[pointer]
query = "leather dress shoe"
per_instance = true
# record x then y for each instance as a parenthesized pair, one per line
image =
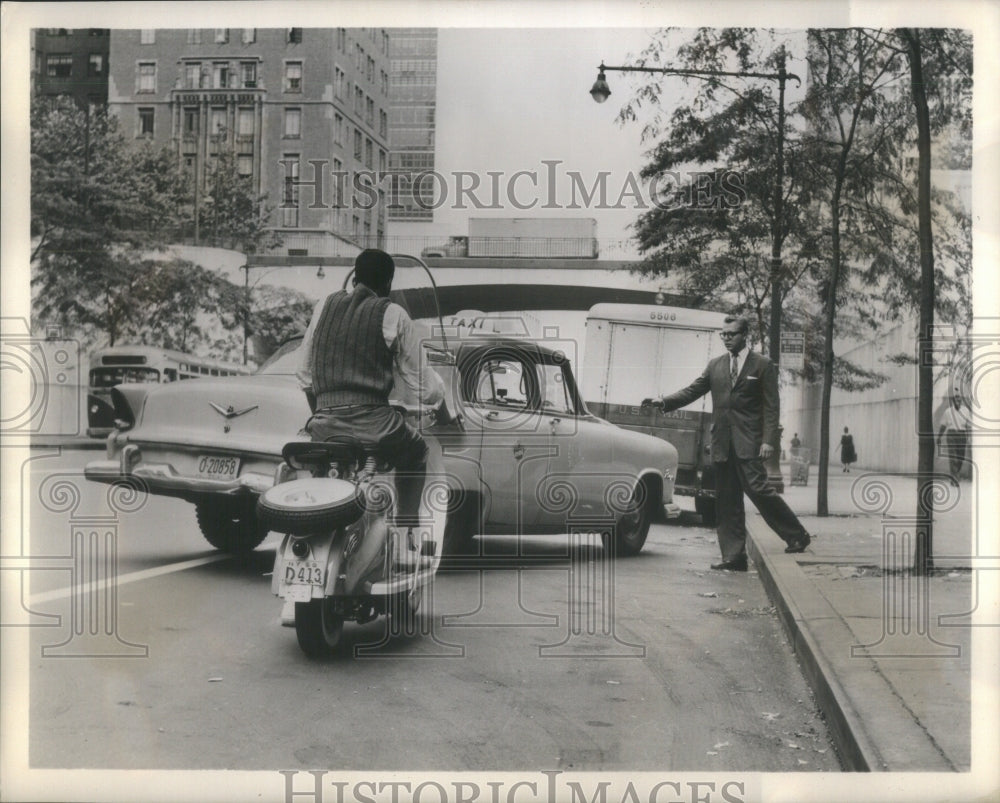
(798, 545)
(737, 565)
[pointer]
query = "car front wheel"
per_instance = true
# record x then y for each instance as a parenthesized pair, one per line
(632, 526)
(230, 526)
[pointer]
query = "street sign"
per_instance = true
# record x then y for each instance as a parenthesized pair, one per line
(793, 350)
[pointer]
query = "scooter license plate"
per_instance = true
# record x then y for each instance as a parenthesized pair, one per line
(304, 573)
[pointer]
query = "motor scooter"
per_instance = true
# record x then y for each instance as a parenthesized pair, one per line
(342, 557)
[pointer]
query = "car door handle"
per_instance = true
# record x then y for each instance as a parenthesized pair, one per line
(492, 415)
(554, 422)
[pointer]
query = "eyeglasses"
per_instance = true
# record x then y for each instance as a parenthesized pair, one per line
(725, 335)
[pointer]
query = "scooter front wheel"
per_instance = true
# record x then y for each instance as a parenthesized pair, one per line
(318, 627)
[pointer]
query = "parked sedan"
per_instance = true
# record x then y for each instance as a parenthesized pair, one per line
(522, 453)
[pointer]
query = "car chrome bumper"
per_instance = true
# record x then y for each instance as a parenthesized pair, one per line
(671, 510)
(162, 478)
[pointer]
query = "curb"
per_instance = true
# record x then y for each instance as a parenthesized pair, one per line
(890, 739)
(853, 746)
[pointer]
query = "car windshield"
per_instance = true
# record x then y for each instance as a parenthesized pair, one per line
(285, 361)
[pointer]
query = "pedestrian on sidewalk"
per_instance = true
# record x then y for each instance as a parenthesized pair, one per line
(744, 387)
(847, 453)
(953, 437)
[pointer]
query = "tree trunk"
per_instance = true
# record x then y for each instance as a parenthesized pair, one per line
(829, 317)
(924, 552)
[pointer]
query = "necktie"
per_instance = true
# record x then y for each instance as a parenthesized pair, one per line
(732, 370)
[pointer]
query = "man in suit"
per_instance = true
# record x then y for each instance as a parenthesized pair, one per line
(744, 387)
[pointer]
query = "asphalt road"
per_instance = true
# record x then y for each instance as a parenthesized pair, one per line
(538, 656)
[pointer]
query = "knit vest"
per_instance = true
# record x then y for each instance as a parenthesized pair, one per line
(351, 362)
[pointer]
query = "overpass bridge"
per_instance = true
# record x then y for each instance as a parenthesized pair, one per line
(489, 284)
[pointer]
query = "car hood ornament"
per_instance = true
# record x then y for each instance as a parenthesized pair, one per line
(230, 411)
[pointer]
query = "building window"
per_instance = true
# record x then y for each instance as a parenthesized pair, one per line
(338, 129)
(338, 169)
(293, 76)
(147, 77)
(341, 39)
(244, 122)
(218, 123)
(59, 65)
(359, 100)
(145, 121)
(369, 111)
(357, 144)
(191, 121)
(290, 198)
(249, 71)
(147, 36)
(249, 36)
(385, 82)
(220, 75)
(295, 35)
(221, 36)
(383, 123)
(371, 69)
(244, 165)
(95, 64)
(192, 75)
(385, 43)
(381, 161)
(293, 123)
(194, 36)
(368, 154)
(339, 80)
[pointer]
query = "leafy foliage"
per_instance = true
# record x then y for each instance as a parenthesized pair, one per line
(231, 214)
(96, 206)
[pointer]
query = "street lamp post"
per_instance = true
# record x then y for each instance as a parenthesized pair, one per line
(600, 92)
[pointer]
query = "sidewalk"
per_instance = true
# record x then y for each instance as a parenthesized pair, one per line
(886, 652)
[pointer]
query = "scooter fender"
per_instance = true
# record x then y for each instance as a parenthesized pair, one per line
(326, 550)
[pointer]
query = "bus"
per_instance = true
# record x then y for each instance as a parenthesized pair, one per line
(637, 351)
(122, 365)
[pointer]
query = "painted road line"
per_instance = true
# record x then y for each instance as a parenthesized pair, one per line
(124, 579)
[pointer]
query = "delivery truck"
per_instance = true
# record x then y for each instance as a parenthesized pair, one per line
(522, 237)
(638, 351)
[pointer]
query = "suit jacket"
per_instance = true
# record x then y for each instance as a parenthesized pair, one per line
(745, 414)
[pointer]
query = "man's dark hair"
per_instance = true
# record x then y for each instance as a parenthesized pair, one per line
(742, 320)
(374, 268)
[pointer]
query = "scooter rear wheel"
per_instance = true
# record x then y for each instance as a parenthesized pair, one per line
(317, 627)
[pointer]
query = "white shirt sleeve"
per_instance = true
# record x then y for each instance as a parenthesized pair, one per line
(397, 329)
(304, 372)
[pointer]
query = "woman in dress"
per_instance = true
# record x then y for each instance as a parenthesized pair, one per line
(847, 453)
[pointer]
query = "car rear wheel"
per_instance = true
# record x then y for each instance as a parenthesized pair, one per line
(632, 527)
(229, 526)
(318, 627)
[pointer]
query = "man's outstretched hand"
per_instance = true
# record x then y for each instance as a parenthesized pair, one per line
(653, 403)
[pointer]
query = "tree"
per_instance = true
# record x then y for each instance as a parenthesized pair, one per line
(861, 122)
(97, 206)
(723, 231)
(231, 214)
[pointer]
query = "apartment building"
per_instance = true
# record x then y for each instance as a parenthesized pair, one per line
(413, 99)
(71, 61)
(296, 106)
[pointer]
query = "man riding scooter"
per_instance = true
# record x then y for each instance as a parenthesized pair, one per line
(357, 342)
